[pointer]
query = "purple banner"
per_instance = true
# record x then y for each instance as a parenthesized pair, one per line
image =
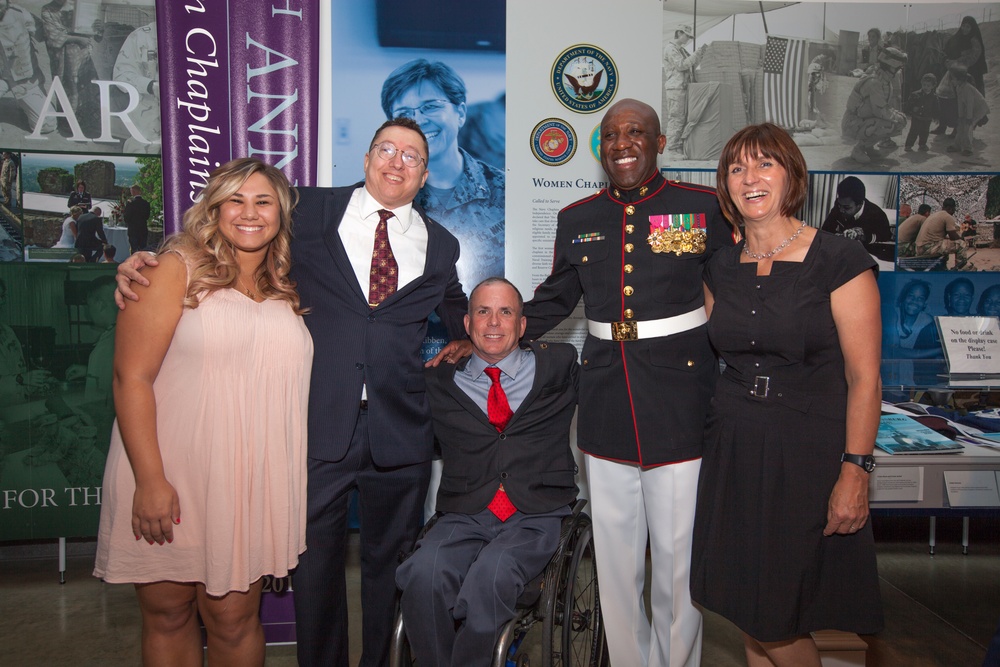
(237, 79)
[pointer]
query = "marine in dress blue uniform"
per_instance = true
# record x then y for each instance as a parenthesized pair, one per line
(635, 253)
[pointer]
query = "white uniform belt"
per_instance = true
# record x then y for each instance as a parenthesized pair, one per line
(631, 330)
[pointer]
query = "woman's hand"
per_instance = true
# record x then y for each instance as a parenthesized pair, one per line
(155, 511)
(847, 512)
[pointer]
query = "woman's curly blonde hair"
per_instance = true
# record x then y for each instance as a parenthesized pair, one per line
(211, 259)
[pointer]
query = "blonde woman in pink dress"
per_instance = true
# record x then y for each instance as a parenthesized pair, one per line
(204, 490)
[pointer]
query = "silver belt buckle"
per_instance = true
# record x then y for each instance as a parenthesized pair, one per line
(761, 385)
(621, 331)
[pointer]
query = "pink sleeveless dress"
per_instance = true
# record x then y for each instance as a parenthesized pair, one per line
(231, 403)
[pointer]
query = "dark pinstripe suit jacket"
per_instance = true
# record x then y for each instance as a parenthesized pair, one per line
(357, 345)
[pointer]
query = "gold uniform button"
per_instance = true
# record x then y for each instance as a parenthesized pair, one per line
(629, 210)
(629, 247)
(584, 259)
(628, 313)
(629, 268)
(690, 363)
(628, 290)
(545, 347)
(629, 229)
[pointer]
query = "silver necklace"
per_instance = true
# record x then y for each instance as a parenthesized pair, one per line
(781, 246)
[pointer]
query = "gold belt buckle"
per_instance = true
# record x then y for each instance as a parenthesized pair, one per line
(624, 331)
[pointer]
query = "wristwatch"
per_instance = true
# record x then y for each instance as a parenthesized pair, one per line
(866, 462)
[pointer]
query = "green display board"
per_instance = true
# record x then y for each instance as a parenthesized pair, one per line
(56, 408)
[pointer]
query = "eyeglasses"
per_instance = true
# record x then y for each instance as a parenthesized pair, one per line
(387, 151)
(428, 108)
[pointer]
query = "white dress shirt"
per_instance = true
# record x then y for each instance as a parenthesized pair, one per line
(407, 237)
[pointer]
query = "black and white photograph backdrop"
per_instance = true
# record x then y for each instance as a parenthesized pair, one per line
(858, 206)
(862, 87)
(79, 75)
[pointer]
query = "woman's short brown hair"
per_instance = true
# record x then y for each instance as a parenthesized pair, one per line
(770, 141)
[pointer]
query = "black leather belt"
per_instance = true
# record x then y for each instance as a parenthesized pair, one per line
(796, 394)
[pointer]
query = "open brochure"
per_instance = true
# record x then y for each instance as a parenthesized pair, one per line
(901, 434)
(966, 434)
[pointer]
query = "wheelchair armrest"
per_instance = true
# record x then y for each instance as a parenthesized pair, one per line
(571, 523)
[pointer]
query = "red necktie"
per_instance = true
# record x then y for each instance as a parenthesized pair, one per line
(497, 408)
(384, 276)
(499, 413)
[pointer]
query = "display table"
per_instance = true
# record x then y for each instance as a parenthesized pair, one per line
(916, 485)
(894, 473)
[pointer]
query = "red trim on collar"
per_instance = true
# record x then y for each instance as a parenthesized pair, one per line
(650, 195)
(583, 201)
(708, 190)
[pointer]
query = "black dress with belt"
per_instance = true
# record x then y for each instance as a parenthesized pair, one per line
(776, 431)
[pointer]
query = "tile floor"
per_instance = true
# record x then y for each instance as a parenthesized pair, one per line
(940, 611)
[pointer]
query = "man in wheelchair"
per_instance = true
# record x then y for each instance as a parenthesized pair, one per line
(502, 417)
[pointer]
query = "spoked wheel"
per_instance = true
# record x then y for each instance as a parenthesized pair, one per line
(583, 627)
(574, 630)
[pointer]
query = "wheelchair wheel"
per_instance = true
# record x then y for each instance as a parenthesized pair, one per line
(399, 650)
(573, 630)
(505, 654)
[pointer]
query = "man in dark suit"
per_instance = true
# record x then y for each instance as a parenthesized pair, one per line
(461, 584)
(855, 217)
(90, 237)
(136, 216)
(369, 415)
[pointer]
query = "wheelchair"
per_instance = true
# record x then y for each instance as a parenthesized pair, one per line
(563, 599)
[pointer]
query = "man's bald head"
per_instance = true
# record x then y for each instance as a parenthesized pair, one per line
(630, 142)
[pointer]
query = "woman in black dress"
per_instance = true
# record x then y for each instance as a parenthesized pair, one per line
(782, 543)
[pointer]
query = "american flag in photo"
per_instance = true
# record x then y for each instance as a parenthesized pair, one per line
(785, 63)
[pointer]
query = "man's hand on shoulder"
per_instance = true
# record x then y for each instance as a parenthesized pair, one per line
(451, 353)
(129, 271)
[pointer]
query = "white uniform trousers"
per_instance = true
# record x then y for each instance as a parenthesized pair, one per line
(630, 504)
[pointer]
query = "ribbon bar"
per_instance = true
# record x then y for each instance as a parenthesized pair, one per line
(679, 221)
